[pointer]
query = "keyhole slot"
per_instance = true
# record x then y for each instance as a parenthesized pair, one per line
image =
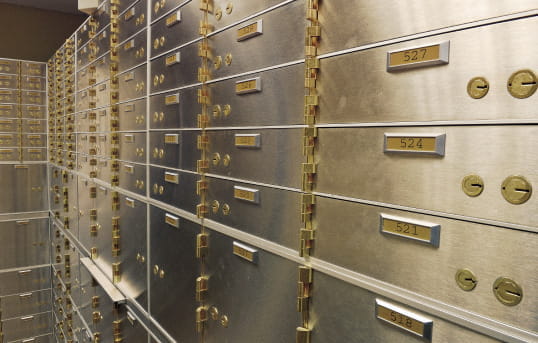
(521, 190)
(530, 83)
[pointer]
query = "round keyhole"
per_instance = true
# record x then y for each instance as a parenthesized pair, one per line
(522, 84)
(516, 189)
(218, 13)
(215, 205)
(507, 291)
(478, 87)
(216, 159)
(466, 279)
(472, 185)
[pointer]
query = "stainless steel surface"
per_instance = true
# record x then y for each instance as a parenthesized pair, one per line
(19, 305)
(259, 51)
(9, 81)
(8, 66)
(133, 177)
(133, 51)
(25, 280)
(9, 125)
(9, 110)
(180, 155)
(102, 238)
(26, 243)
(104, 282)
(38, 339)
(438, 92)
(276, 217)
(240, 290)
(181, 194)
(427, 270)
(346, 25)
(183, 72)
(32, 83)
(176, 28)
(239, 10)
(33, 69)
(346, 313)
(33, 125)
(133, 20)
(134, 256)
(173, 109)
(132, 84)
(172, 296)
(33, 97)
(27, 326)
(32, 112)
(26, 180)
(132, 115)
(8, 96)
(133, 147)
(159, 8)
(34, 154)
(418, 181)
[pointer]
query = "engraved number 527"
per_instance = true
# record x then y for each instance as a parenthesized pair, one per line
(414, 55)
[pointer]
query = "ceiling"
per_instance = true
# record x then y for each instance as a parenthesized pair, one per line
(67, 6)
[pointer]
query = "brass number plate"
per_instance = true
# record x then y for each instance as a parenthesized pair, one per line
(171, 220)
(247, 194)
(248, 140)
(411, 229)
(173, 59)
(422, 56)
(250, 30)
(404, 319)
(248, 86)
(245, 252)
(171, 177)
(171, 139)
(173, 19)
(171, 99)
(419, 143)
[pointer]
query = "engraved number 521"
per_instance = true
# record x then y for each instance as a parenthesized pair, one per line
(414, 55)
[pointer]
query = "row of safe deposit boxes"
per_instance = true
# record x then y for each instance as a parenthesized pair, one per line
(296, 171)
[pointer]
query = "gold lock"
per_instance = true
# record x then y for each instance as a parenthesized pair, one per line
(224, 321)
(218, 13)
(226, 209)
(522, 84)
(217, 63)
(226, 160)
(140, 258)
(466, 279)
(227, 110)
(215, 205)
(228, 59)
(216, 159)
(472, 185)
(214, 313)
(507, 291)
(516, 189)
(477, 87)
(229, 8)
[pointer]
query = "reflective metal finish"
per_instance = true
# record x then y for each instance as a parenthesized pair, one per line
(132, 51)
(33, 97)
(24, 280)
(174, 109)
(33, 69)
(9, 81)
(23, 304)
(133, 177)
(28, 326)
(133, 147)
(438, 92)
(352, 163)
(239, 10)
(8, 66)
(27, 182)
(132, 20)
(132, 84)
(132, 115)
(239, 290)
(182, 72)
(181, 194)
(31, 238)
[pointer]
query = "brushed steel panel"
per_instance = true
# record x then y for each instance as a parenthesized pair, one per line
(259, 51)
(182, 73)
(438, 92)
(28, 243)
(38, 339)
(9, 140)
(133, 177)
(181, 195)
(132, 51)
(33, 69)
(23, 281)
(345, 313)
(32, 112)
(32, 83)
(83, 56)
(176, 28)
(131, 329)
(124, 4)
(132, 84)
(34, 154)
(83, 34)
(34, 125)
(276, 160)
(174, 114)
(9, 110)
(158, 7)
(341, 31)
(429, 182)
(9, 81)
(8, 66)
(181, 156)
(9, 96)
(102, 95)
(33, 97)
(259, 219)
(102, 16)
(9, 154)
(132, 115)
(428, 270)
(132, 21)
(240, 10)
(104, 169)
(103, 239)
(278, 103)
(133, 256)
(28, 326)
(9, 125)
(24, 304)
(29, 184)
(133, 146)
(239, 289)
(85, 204)
(173, 251)
(83, 77)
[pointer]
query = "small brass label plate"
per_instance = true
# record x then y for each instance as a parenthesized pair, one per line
(404, 319)
(129, 76)
(129, 108)
(171, 99)
(411, 229)
(173, 19)
(129, 138)
(171, 138)
(421, 56)
(128, 168)
(248, 86)
(250, 30)
(129, 14)
(245, 252)
(171, 177)
(130, 202)
(129, 45)
(6, 107)
(247, 194)
(173, 59)
(171, 220)
(247, 140)
(432, 144)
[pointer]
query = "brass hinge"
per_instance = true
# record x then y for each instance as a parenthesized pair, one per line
(204, 74)
(201, 318)
(307, 204)
(302, 335)
(307, 237)
(202, 141)
(201, 288)
(201, 210)
(203, 121)
(116, 272)
(204, 97)
(201, 185)
(202, 244)
(202, 166)
(206, 5)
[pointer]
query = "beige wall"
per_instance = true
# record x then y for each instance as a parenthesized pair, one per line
(34, 34)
